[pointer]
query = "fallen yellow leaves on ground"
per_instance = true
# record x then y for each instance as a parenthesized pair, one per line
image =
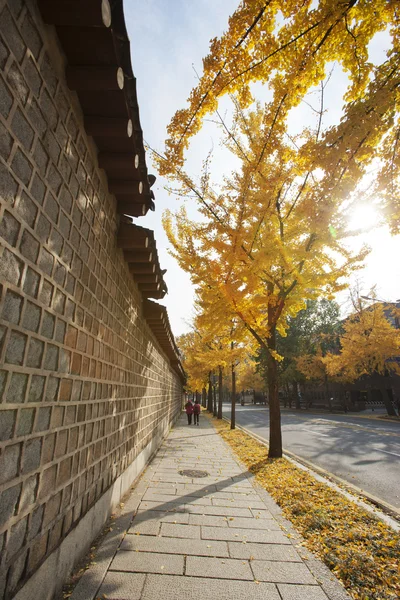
(363, 552)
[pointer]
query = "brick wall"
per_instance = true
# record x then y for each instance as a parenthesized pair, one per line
(84, 387)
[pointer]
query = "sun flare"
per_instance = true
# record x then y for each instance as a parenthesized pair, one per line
(364, 216)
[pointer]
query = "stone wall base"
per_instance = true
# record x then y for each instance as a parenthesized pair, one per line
(52, 574)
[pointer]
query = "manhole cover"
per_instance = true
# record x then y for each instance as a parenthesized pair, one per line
(193, 473)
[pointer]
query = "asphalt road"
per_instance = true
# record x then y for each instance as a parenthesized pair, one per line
(364, 452)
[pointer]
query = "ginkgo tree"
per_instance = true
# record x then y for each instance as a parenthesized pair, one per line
(290, 45)
(273, 233)
(370, 344)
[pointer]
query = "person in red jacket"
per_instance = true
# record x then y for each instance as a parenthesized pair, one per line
(196, 411)
(189, 411)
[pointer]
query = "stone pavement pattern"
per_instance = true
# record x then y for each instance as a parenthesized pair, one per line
(215, 537)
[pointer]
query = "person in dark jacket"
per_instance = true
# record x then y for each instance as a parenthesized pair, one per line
(196, 411)
(189, 411)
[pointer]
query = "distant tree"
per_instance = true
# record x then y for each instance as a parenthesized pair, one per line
(369, 344)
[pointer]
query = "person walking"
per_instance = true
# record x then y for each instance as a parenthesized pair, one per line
(196, 411)
(189, 411)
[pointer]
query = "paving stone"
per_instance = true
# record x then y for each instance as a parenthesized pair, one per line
(173, 506)
(145, 527)
(180, 531)
(175, 546)
(281, 572)
(163, 516)
(250, 503)
(209, 520)
(253, 523)
(122, 585)
(219, 511)
(256, 551)
(247, 535)
(218, 568)
(148, 562)
(301, 592)
(172, 587)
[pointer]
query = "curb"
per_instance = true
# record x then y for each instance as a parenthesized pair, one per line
(390, 512)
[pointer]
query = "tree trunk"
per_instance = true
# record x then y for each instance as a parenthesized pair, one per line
(296, 395)
(233, 398)
(220, 393)
(204, 397)
(275, 434)
(214, 400)
(327, 394)
(210, 395)
(387, 401)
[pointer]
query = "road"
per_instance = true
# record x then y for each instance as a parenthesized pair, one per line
(364, 452)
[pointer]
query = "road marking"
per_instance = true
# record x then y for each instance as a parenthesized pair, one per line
(387, 452)
(315, 432)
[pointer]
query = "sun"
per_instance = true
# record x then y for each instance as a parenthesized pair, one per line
(364, 216)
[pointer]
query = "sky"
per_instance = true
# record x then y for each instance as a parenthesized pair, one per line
(168, 39)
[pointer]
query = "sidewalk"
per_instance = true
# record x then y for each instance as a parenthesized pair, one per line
(217, 537)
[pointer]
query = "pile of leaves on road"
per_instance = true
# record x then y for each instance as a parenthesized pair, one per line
(363, 552)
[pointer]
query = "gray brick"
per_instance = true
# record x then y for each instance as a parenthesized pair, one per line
(31, 36)
(27, 209)
(6, 142)
(34, 80)
(248, 535)
(51, 208)
(17, 537)
(51, 359)
(22, 130)
(301, 592)
(147, 562)
(35, 353)
(171, 587)
(6, 100)
(46, 261)
(43, 229)
(32, 316)
(25, 421)
(22, 167)
(43, 419)
(269, 524)
(17, 388)
(48, 325)
(9, 228)
(60, 331)
(28, 492)
(175, 546)
(48, 109)
(8, 502)
(17, 83)
(3, 380)
(4, 54)
(53, 385)
(60, 274)
(29, 246)
(16, 7)
(55, 180)
(145, 527)
(11, 267)
(31, 456)
(38, 189)
(40, 157)
(16, 348)
(47, 482)
(12, 35)
(56, 242)
(9, 462)
(36, 388)
(46, 293)
(35, 524)
(281, 572)
(31, 283)
(47, 71)
(52, 509)
(12, 307)
(16, 571)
